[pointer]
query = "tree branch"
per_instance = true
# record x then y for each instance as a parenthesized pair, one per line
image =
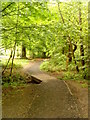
(60, 12)
(12, 11)
(6, 7)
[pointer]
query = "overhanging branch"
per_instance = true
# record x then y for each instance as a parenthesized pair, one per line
(6, 7)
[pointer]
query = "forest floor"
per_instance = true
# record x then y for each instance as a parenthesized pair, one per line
(52, 98)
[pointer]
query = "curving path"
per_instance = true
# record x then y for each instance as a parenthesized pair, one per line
(50, 99)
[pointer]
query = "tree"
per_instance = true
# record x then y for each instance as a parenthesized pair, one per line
(21, 15)
(46, 30)
(81, 39)
(23, 50)
(70, 45)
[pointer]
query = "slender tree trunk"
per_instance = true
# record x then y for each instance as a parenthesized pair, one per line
(70, 50)
(81, 46)
(63, 50)
(7, 62)
(17, 51)
(15, 42)
(60, 13)
(13, 58)
(23, 51)
(44, 54)
(69, 57)
(70, 54)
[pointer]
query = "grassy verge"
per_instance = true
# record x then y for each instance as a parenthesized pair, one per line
(18, 78)
(18, 63)
(58, 69)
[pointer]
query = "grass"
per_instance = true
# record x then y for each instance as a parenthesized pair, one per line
(18, 78)
(18, 63)
(74, 76)
(70, 74)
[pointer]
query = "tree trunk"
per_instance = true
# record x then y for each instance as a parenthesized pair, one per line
(69, 56)
(13, 58)
(44, 54)
(63, 50)
(23, 51)
(82, 54)
(81, 46)
(72, 52)
(14, 44)
(7, 62)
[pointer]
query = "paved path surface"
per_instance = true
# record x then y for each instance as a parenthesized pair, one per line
(50, 99)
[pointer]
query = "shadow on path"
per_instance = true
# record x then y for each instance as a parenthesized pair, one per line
(50, 99)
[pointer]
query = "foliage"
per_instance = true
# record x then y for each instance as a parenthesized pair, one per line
(18, 78)
(57, 63)
(70, 27)
(19, 63)
(40, 27)
(15, 81)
